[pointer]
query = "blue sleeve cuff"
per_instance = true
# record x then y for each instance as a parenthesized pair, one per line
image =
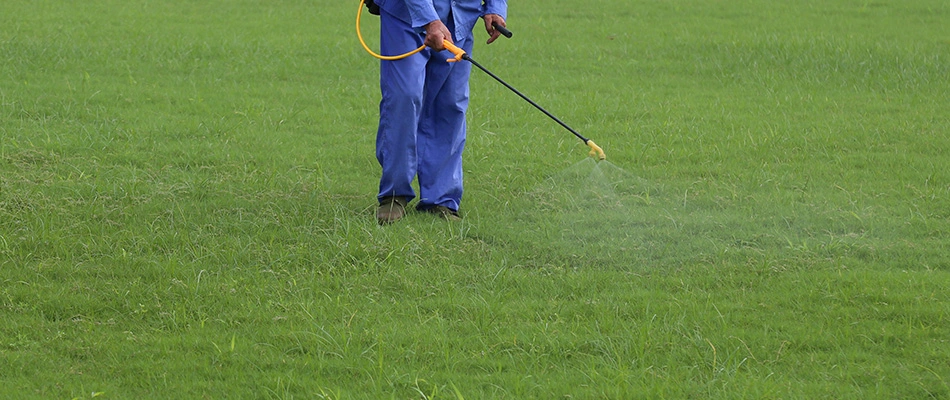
(499, 7)
(421, 12)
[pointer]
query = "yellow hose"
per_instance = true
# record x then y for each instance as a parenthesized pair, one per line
(359, 34)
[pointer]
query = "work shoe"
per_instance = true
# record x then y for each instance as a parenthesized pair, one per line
(445, 213)
(391, 209)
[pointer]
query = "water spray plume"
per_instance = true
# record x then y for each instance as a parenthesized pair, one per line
(459, 55)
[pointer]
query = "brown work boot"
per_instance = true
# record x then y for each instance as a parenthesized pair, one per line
(445, 213)
(391, 209)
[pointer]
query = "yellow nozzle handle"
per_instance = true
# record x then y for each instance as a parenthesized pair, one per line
(459, 53)
(596, 151)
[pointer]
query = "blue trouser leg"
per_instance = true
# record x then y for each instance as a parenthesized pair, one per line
(442, 130)
(401, 84)
(422, 118)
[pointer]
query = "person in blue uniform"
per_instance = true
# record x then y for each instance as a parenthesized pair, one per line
(424, 99)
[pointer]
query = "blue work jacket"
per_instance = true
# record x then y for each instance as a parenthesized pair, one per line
(464, 12)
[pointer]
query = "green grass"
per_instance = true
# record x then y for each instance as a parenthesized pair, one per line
(187, 193)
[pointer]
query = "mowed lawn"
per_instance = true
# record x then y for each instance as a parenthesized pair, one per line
(187, 192)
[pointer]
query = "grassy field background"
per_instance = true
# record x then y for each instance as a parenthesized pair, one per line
(187, 193)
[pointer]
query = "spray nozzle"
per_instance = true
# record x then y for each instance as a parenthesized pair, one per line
(596, 151)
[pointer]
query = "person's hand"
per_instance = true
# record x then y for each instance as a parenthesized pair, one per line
(436, 32)
(489, 20)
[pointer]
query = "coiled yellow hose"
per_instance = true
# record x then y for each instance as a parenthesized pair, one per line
(359, 13)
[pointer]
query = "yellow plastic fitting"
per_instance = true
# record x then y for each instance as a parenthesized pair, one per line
(451, 47)
(596, 151)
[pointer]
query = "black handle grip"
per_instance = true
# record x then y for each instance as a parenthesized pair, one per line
(502, 30)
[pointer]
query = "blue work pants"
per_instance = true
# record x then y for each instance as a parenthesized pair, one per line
(421, 117)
